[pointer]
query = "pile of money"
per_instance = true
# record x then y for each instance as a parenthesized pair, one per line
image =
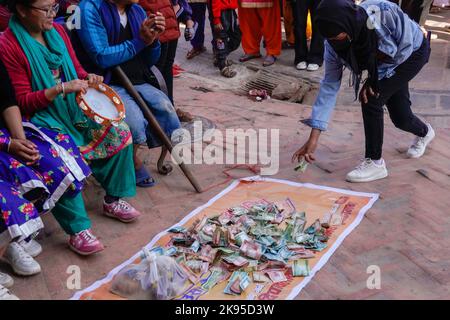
(257, 241)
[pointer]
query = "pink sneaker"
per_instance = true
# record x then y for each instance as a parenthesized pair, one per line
(85, 243)
(120, 210)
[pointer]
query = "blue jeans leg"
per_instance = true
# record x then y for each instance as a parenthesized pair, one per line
(134, 116)
(162, 109)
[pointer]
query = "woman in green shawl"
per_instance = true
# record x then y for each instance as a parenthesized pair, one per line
(46, 76)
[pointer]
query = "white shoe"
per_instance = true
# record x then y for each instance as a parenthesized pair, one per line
(419, 145)
(368, 171)
(21, 262)
(302, 65)
(32, 247)
(6, 280)
(312, 67)
(6, 295)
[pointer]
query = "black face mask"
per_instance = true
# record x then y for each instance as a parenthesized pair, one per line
(340, 45)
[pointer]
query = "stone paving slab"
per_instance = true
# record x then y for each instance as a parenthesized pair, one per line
(405, 233)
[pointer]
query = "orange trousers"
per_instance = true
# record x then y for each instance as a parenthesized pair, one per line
(257, 23)
(288, 22)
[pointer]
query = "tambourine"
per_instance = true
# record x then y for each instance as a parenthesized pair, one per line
(102, 104)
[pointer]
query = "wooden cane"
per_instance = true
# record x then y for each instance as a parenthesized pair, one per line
(154, 123)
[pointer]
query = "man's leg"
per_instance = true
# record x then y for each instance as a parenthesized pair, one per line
(271, 28)
(413, 8)
(300, 12)
(251, 27)
(162, 109)
(221, 43)
(234, 32)
(168, 74)
(426, 6)
(317, 42)
(289, 22)
(198, 15)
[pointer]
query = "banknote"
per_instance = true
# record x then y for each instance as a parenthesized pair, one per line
(212, 280)
(236, 260)
(233, 286)
(208, 254)
(300, 268)
(276, 275)
(177, 229)
(251, 249)
(171, 251)
(259, 277)
(245, 281)
(301, 166)
(325, 221)
(195, 246)
(241, 237)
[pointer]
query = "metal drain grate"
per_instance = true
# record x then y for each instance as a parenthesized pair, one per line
(269, 80)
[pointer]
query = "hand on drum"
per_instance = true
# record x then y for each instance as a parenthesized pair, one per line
(94, 79)
(76, 86)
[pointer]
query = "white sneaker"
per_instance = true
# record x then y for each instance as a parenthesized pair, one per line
(21, 262)
(302, 65)
(419, 145)
(368, 171)
(312, 67)
(32, 247)
(6, 280)
(6, 295)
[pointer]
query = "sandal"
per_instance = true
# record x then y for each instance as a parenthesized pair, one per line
(227, 72)
(143, 178)
(184, 116)
(269, 60)
(227, 63)
(247, 57)
(195, 52)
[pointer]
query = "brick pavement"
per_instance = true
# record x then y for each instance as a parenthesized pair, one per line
(405, 233)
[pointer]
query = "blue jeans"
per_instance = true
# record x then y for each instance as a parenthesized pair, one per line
(160, 106)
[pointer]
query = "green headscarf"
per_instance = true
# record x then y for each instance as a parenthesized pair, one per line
(63, 115)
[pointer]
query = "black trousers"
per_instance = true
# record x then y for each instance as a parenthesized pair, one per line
(413, 8)
(228, 39)
(165, 64)
(394, 93)
(315, 53)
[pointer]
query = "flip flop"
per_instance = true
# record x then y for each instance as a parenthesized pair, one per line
(195, 52)
(143, 178)
(247, 57)
(184, 116)
(269, 60)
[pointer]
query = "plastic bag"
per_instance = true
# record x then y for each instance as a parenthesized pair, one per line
(156, 277)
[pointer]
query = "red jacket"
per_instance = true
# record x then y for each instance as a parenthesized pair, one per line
(219, 5)
(19, 71)
(172, 31)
